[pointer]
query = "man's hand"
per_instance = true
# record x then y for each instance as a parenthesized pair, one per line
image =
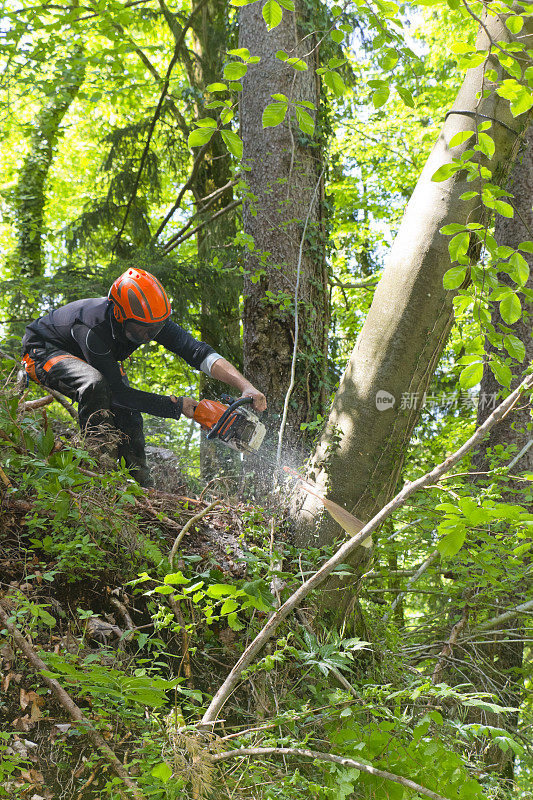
(222, 370)
(189, 405)
(259, 398)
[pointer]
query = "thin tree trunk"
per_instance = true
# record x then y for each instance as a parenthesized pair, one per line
(284, 173)
(360, 455)
(30, 197)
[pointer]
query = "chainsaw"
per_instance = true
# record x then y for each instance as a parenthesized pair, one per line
(231, 422)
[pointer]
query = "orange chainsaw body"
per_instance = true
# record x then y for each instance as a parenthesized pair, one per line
(208, 412)
(239, 428)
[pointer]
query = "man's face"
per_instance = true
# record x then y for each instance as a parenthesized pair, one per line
(141, 332)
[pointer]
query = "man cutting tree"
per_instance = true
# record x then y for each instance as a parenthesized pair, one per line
(78, 350)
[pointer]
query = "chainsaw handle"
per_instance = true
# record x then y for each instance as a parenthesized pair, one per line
(234, 405)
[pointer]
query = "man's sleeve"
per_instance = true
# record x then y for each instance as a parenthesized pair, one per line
(198, 355)
(98, 355)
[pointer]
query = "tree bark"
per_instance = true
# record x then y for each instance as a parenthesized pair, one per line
(284, 173)
(503, 659)
(360, 455)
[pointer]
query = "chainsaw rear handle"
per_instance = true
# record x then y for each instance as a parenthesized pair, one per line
(234, 405)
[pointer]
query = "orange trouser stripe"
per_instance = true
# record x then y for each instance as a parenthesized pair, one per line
(47, 366)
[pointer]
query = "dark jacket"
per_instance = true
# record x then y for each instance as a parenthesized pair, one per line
(87, 329)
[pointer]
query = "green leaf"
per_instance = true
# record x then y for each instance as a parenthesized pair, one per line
(288, 4)
(235, 70)
(460, 138)
(515, 347)
(334, 81)
(162, 771)
(452, 542)
(486, 144)
(523, 102)
(200, 136)
(240, 52)
(519, 269)
(515, 24)
(454, 277)
(218, 590)
(229, 606)
(406, 96)
(453, 227)
(469, 195)
(510, 308)
(234, 623)
(297, 63)
(206, 122)
(380, 97)
(274, 113)
(471, 375)
(272, 14)
(460, 48)
(503, 208)
(233, 142)
(458, 246)
(445, 172)
(526, 247)
(501, 372)
(305, 121)
(217, 87)
(175, 578)
(47, 618)
(337, 36)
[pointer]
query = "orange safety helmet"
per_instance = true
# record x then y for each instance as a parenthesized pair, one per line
(137, 295)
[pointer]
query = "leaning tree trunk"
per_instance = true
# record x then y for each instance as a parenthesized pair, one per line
(502, 655)
(360, 455)
(30, 198)
(285, 178)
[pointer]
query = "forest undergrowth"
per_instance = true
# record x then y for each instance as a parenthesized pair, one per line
(140, 602)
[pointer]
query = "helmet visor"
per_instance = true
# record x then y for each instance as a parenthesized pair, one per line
(141, 332)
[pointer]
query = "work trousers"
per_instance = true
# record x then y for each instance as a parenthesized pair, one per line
(87, 386)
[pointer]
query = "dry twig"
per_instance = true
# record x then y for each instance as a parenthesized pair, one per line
(188, 525)
(345, 762)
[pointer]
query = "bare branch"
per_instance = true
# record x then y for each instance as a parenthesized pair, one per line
(208, 201)
(495, 622)
(332, 759)
(188, 525)
(186, 186)
(172, 244)
(348, 547)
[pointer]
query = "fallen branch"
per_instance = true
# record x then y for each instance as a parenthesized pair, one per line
(30, 405)
(495, 622)
(69, 705)
(188, 525)
(344, 762)
(342, 554)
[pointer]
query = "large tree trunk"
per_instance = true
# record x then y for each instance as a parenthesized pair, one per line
(285, 177)
(503, 656)
(30, 198)
(360, 455)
